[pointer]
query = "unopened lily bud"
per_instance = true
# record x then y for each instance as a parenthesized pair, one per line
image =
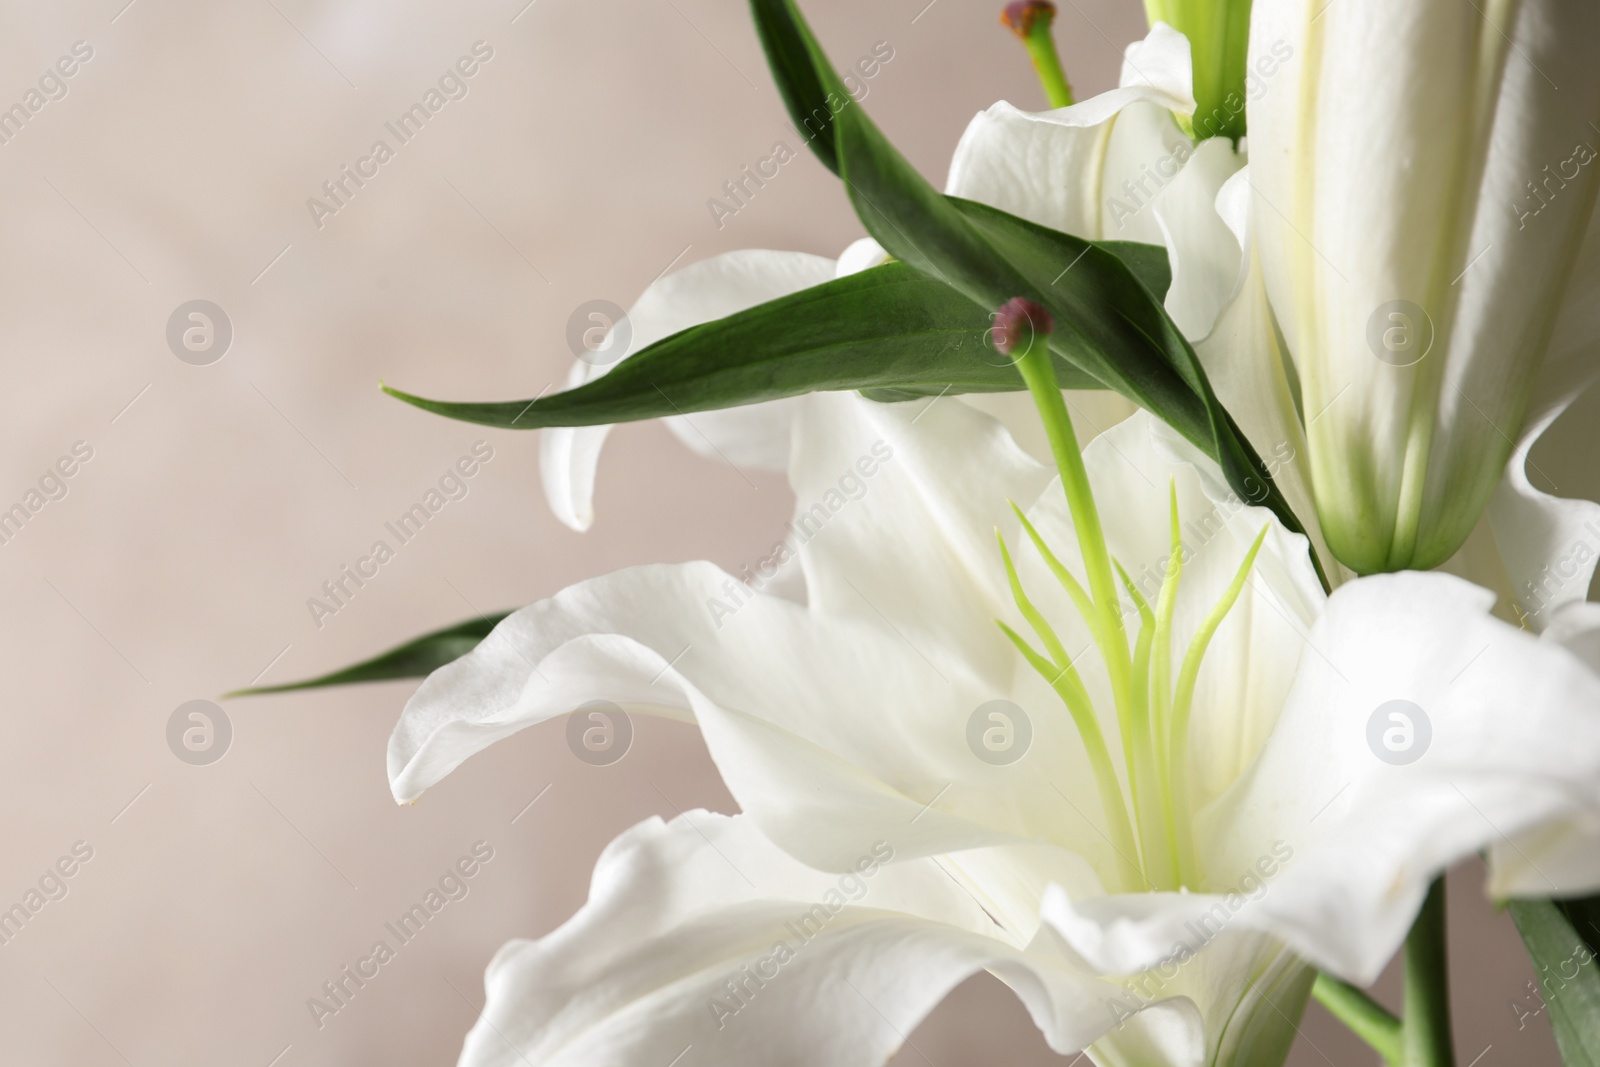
(1017, 324)
(1421, 192)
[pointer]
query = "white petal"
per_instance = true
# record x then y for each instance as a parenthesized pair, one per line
(1246, 367)
(860, 255)
(1515, 745)
(1245, 986)
(1045, 171)
(751, 436)
(895, 511)
(679, 911)
(1566, 851)
(1204, 252)
(755, 436)
(1549, 544)
(1093, 412)
(568, 459)
(1144, 154)
(1162, 62)
(1047, 167)
(811, 722)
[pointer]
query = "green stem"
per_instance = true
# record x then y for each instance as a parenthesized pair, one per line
(1425, 1031)
(1042, 50)
(1366, 1018)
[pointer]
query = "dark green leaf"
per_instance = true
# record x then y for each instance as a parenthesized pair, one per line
(1584, 914)
(888, 328)
(1569, 976)
(1149, 263)
(414, 659)
(797, 79)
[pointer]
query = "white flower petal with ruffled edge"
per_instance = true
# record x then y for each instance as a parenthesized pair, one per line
(1204, 251)
(792, 711)
(1515, 744)
(755, 436)
(701, 942)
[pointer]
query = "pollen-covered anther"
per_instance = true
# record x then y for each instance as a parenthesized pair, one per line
(1017, 323)
(1023, 16)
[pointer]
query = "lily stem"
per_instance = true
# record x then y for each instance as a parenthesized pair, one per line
(1425, 1030)
(1366, 1018)
(1031, 21)
(1042, 50)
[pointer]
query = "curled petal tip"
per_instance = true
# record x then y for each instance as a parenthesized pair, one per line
(1022, 16)
(1017, 322)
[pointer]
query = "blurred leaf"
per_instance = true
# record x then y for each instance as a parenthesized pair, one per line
(414, 659)
(1568, 974)
(885, 329)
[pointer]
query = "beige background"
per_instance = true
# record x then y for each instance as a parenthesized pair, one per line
(219, 498)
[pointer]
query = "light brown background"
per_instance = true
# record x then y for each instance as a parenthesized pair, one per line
(179, 565)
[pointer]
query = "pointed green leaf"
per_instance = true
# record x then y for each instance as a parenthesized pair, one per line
(1569, 975)
(886, 329)
(414, 659)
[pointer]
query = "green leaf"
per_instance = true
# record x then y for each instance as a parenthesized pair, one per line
(1568, 973)
(414, 659)
(1108, 322)
(890, 331)
(803, 94)
(1584, 914)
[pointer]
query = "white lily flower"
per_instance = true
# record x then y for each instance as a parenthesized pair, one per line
(1423, 181)
(1171, 922)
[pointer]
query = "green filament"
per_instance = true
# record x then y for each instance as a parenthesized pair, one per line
(1182, 701)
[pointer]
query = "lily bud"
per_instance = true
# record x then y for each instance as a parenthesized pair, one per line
(1017, 324)
(1421, 189)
